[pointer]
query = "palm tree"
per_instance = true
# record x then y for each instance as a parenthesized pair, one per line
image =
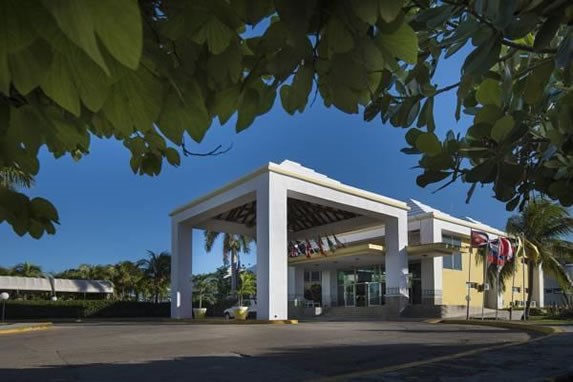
(26, 269)
(540, 228)
(204, 289)
(12, 177)
(157, 268)
(233, 244)
(247, 287)
(126, 278)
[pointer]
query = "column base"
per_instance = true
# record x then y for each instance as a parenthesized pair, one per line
(396, 304)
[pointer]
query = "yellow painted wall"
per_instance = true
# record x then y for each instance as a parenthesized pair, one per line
(454, 289)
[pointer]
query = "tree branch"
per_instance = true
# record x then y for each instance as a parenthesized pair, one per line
(505, 42)
(215, 152)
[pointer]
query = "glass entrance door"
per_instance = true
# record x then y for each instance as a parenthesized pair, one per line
(374, 294)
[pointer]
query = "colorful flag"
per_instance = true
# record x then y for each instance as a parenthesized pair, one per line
(339, 244)
(478, 239)
(501, 251)
(320, 247)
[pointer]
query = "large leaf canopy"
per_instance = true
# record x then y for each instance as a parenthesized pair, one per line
(155, 73)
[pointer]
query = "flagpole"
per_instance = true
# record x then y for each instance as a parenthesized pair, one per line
(512, 287)
(468, 297)
(484, 279)
(497, 293)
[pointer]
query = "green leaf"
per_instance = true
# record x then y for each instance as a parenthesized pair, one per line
(366, 10)
(429, 177)
(402, 43)
(135, 101)
(216, 34)
(412, 135)
(29, 66)
(118, 25)
(44, 209)
(536, 82)
(483, 172)
(189, 115)
(225, 103)
(488, 114)
(489, 93)
(340, 39)
(428, 143)
(247, 109)
(502, 128)
(58, 84)
(295, 96)
(389, 9)
(482, 58)
(547, 32)
(75, 19)
(172, 156)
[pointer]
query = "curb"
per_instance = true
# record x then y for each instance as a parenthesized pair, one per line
(28, 328)
(546, 331)
(235, 322)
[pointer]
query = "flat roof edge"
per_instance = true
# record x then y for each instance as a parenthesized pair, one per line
(245, 178)
(272, 167)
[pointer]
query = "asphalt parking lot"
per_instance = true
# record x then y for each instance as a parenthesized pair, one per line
(165, 351)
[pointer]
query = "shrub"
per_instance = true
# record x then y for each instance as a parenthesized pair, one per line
(77, 309)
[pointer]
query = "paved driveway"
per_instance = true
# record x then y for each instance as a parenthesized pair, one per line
(176, 352)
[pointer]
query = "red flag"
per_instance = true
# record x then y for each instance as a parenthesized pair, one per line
(478, 239)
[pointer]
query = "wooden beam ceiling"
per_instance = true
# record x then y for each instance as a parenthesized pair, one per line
(301, 215)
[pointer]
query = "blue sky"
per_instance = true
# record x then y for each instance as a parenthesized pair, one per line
(108, 214)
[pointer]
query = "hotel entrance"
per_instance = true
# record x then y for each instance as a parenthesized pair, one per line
(361, 287)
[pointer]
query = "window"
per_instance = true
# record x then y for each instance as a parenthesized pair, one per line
(453, 261)
(312, 276)
(517, 289)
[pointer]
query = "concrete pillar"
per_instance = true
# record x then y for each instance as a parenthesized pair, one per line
(272, 258)
(539, 287)
(181, 262)
(431, 268)
(396, 262)
(326, 280)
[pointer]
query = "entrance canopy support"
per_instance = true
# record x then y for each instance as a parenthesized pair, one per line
(279, 203)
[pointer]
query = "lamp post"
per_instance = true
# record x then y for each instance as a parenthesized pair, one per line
(4, 296)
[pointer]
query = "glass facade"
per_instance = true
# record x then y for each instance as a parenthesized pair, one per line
(362, 286)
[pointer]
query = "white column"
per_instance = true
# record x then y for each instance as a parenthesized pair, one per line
(539, 287)
(396, 239)
(272, 259)
(326, 287)
(181, 262)
(432, 268)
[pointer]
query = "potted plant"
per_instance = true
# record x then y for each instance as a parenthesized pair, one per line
(204, 290)
(247, 287)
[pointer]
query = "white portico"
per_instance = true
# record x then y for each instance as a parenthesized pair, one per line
(279, 203)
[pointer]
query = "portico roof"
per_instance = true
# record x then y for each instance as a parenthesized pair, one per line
(316, 204)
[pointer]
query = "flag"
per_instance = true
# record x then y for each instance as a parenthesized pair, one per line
(339, 244)
(320, 247)
(501, 251)
(478, 239)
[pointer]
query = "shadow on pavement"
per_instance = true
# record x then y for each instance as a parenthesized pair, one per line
(279, 364)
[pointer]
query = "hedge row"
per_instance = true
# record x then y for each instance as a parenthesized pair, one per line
(78, 309)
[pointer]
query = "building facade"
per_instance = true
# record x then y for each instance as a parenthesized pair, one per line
(324, 244)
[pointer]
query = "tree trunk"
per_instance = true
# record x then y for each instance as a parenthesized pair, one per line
(530, 269)
(233, 273)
